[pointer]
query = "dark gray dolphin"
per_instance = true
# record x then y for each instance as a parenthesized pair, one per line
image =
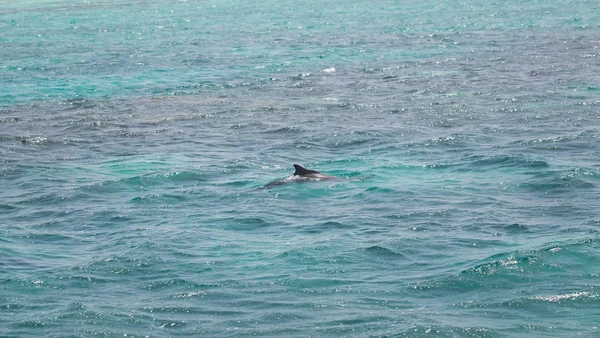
(303, 172)
(303, 175)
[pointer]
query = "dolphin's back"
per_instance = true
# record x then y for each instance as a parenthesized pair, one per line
(300, 170)
(301, 175)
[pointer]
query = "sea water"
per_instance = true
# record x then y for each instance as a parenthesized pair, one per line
(135, 137)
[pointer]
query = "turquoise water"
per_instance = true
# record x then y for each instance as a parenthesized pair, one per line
(135, 135)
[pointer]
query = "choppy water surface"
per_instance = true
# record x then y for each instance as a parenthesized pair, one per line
(134, 138)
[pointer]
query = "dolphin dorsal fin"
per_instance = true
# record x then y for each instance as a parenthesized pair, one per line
(300, 170)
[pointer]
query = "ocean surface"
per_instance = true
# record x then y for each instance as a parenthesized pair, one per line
(137, 137)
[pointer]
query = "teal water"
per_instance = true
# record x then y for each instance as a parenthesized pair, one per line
(135, 135)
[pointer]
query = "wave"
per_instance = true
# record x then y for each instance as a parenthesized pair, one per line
(10, 119)
(561, 180)
(581, 296)
(482, 163)
(517, 228)
(333, 140)
(485, 163)
(447, 331)
(163, 198)
(381, 251)
(7, 207)
(42, 199)
(288, 130)
(507, 161)
(565, 141)
(147, 180)
(542, 301)
(246, 223)
(249, 125)
(177, 118)
(36, 140)
(324, 227)
(454, 141)
(518, 268)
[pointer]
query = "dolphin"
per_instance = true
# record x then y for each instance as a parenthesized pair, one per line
(303, 175)
(303, 172)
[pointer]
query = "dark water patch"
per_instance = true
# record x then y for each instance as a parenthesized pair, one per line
(33, 324)
(7, 120)
(509, 161)
(352, 139)
(335, 225)
(574, 141)
(243, 164)
(142, 134)
(158, 198)
(6, 240)
(579, 230)
(382, 252)
(573, 245)
(167, 283)
(42, 200)
(7, 208)
(485, 163)
(404, 169)
(291, 130)
(390, 78)
(79, 103)
(298, 256)
(317, 283)
(126, 260)
(135, 183)
(120, 219)
(561, 181)
(53, 238)
(516, 270)
(378, 189)
(173, 118)
(11, 261)
(183, 311)
(453, 141)
(83, 281)
(449, 331)
(429, 218)
(38, 140)
(254, 125)
(116, 186)
(325, 227)
(249, 223)
(245, 183)
(516, 228)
